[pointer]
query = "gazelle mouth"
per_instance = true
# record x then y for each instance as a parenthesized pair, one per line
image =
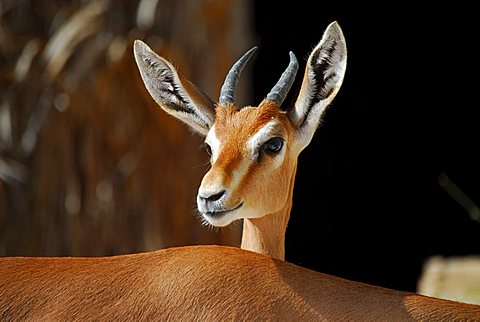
(222, 212)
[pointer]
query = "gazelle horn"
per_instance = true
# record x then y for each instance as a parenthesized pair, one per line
(280, 90)
(229, 87)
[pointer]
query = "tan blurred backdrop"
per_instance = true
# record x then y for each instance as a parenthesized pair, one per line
(89, 165)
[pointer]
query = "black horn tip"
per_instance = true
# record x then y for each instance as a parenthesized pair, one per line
(251, 51)
(293, 58)
(227, 92)
(280, 90)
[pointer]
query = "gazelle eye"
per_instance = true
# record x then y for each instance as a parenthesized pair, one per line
(207, 148)
(273, 146)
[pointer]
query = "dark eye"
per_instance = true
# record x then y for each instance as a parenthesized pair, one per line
(273, 146)
(207, 148)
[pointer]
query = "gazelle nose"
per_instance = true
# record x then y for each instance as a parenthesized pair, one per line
(210, 197)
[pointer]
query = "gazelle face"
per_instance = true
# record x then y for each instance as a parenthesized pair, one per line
(254, 150)
(252, 164)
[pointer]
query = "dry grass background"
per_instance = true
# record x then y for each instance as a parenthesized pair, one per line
(89, 165)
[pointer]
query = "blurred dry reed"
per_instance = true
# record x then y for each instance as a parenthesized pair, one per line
(89, 165)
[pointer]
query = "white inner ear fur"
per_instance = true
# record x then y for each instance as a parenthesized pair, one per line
(163, 83)
(312, 121)
(203, 120)
(330, 57)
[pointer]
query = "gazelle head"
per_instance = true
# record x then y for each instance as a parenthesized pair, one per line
(254, 149)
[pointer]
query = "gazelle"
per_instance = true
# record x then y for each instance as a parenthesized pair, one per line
(254, 150)
(214, 282)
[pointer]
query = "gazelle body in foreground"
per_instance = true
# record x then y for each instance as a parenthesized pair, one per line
(254, 159)
(201, 283)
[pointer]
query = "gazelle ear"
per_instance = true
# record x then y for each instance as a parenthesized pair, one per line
(322, 80)
(172, 91)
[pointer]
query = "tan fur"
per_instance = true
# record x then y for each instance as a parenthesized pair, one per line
(201, 283)
(269, 191)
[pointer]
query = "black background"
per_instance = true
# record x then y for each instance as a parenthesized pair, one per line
(367, 203)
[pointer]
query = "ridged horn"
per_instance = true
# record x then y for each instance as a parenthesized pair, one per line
(280, 90)
(229, 87)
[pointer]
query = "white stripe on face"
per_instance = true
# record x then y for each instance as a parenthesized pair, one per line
(214, 143)
(267, 132)
(260, 137)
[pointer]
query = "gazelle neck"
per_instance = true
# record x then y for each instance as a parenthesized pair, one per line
(266, 235)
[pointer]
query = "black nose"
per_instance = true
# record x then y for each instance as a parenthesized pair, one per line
(213, 197)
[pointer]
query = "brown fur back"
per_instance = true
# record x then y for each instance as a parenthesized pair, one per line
(199, 283)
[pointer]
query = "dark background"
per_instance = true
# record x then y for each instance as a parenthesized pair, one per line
(107, 172)
(367, 202)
